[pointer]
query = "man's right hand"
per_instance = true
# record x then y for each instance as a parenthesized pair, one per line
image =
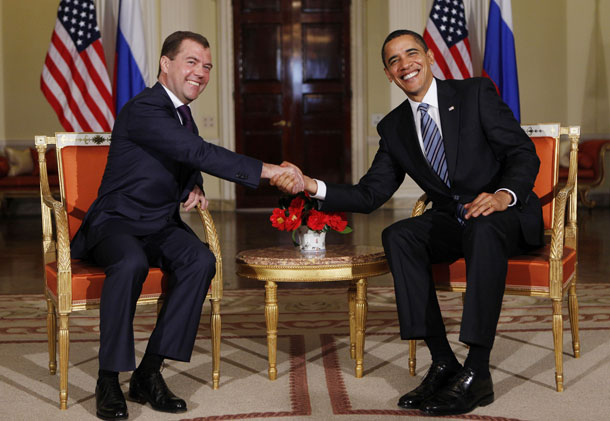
(284, 182)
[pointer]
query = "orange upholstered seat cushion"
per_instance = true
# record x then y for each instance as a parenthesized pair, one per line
(87, 282)
(526, 272)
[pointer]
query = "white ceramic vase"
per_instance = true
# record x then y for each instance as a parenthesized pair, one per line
(311, 242)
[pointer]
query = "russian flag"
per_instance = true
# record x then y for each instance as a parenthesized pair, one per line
(130, 64)
(499, 62)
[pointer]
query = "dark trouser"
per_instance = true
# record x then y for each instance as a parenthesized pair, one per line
(126, 259)
(486, 243)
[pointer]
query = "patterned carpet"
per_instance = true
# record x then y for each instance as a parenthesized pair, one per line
(315, 374)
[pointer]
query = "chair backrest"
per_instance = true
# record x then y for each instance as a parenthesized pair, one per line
(546, 141)
(81, 160)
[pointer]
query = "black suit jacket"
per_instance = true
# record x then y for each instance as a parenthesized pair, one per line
(486, 149)
(153, 164)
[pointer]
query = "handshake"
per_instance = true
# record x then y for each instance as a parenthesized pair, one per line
(288, 178)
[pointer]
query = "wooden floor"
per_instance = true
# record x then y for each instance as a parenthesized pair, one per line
(21, 256)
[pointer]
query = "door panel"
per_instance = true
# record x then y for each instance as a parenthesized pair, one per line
(292, 88)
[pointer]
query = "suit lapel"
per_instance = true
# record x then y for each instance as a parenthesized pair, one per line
(408, 137)
(449, 108)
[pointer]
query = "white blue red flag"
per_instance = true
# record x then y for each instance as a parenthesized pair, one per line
(74, 77)
(130, 64)
(447, 36)
(500, 63)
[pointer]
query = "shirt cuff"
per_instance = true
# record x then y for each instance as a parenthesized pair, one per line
(514, 201)
(321, 193)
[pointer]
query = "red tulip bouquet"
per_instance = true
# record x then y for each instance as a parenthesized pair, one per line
(301, 210)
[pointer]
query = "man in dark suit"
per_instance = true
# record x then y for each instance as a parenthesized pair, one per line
(479, 177)
(154, 163)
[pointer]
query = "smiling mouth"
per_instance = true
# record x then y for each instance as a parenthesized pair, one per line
(192, 82)
(410, 75)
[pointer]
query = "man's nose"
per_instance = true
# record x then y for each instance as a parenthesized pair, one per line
(200, 70)
(403, 62)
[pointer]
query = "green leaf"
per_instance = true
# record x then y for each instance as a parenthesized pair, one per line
(347, 230)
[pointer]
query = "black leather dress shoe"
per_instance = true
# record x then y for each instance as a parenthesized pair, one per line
(151, 388)
(436, 378)
(109, 400)
(463, 393)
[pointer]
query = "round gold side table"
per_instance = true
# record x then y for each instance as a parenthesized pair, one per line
(338, 263)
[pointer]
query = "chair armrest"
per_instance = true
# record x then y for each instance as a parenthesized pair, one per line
(211, 236)
(58, 249)
(420, 205)
(558, 234)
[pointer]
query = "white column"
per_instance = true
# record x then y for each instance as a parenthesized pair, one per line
(226, 87)
(410, 15)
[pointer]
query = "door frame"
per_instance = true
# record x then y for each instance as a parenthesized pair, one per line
(226, 89)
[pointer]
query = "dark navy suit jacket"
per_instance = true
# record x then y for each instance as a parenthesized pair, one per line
(486, 149)
(153, 164)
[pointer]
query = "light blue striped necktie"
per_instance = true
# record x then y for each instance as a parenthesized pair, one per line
(433, 144)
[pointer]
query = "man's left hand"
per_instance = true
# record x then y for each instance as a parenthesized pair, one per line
(488, 203)
(195, 196)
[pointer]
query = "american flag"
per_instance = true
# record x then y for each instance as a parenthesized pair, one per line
(447, 36)
(74, 77)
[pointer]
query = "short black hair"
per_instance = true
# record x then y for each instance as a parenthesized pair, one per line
(172, 43)
(399, 33)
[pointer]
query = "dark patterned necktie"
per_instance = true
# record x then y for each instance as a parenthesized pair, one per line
(187, 117)
(435, 151)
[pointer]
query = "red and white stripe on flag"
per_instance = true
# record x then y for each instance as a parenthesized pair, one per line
(74, 76)
(447, 36)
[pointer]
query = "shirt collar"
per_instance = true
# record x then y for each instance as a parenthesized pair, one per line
(430, 98)
(177, 103)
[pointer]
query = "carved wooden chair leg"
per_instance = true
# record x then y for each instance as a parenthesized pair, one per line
(64, 357)
(412, 359)
(52, 336)
(573, 311)
(558, 340)
(215, 324)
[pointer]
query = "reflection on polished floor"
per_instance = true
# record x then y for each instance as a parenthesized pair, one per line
(21, 255)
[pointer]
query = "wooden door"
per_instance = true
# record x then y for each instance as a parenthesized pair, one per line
(292, 89)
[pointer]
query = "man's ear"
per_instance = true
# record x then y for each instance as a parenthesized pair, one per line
(388, 74)
(430, 55)
(164, 64)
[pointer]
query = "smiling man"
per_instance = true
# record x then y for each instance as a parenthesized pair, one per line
(462, 145)
(155, 163)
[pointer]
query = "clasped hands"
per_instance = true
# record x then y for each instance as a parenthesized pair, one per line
(292, 180)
